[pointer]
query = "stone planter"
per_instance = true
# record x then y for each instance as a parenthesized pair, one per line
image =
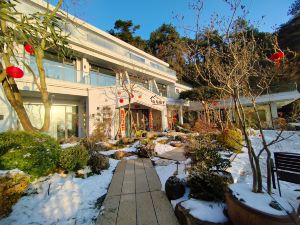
(240, 213)
(174, 188)
(185, 218)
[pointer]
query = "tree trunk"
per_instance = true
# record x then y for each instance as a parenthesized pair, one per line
(43, 89)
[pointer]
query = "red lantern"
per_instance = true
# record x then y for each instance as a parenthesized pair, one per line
(29, 49)
(121, 100)
(276, 56)
(14, 72)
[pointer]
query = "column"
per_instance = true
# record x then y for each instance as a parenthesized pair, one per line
(180, 115)
(164, 118)
(85, 70)
(274, 111)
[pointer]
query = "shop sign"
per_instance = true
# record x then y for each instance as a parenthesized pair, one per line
(157, 100)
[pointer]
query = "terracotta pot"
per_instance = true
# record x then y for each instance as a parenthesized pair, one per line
(241, 214)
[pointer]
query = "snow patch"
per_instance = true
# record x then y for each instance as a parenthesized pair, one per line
(206, 211)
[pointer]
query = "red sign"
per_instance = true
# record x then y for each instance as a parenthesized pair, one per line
(122, 114)
(150, 120)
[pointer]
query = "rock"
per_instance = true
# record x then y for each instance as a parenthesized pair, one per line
(185, 218)
(176, 144)
(119, 155)
(162, 162)
(174, 188)
(151, 135)
(103, 146)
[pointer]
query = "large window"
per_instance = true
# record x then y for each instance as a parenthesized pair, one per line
(63, 119)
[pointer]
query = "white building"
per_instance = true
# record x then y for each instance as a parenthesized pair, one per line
(90, 86)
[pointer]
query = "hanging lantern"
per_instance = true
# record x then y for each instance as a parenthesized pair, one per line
(276, 56)
(14, 72)
(121, 100)
(29, 49)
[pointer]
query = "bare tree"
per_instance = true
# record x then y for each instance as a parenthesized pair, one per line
(233, 59)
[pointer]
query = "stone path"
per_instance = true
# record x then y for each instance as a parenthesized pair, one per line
(134, 197)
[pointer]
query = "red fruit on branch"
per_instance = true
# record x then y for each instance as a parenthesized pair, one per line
(14, 72)
(29, 49)
(121, 100)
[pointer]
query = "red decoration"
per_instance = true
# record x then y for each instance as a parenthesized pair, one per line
(29, 49)
(121, 100)
(140, 96)
(215, 103)
(276, 56)
(14, 72)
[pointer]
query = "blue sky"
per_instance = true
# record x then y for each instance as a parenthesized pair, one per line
(150, 14)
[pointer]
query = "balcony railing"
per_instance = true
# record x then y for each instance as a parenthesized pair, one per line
(91, 37)
(100, 79)
(284, 87)
(56, 70)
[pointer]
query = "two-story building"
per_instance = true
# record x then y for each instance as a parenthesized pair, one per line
(97, 84)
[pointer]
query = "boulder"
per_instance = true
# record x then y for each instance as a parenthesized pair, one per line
(119, 155)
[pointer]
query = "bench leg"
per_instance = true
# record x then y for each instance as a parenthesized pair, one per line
(279, 187)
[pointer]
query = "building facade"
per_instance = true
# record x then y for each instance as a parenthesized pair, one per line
(103, 79)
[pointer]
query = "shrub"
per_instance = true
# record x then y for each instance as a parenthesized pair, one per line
(207, 186)
(140, 133)
(203, 127)
(12, 187)
(98, 162)
(280, 123)
(205, 155)
(146, 150)
(34, 153)
(98, 133)
(74, 158)
(231, 139)
(186, 126)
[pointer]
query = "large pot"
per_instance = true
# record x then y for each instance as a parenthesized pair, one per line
(242, 214)
(174, 188)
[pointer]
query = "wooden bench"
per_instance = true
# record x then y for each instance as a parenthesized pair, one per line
(287, 168)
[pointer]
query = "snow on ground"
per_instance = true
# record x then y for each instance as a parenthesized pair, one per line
(67, 145)
(164, 172)
(259, 201)
(241, 170)
(70, 201)
(131, 148)
(163, 148)
(206, 211)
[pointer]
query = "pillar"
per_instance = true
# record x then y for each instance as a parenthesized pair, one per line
(164, 118)
(274, 112)
(180, 115)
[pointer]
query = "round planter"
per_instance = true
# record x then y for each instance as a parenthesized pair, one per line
(174, 188)
(241, 214)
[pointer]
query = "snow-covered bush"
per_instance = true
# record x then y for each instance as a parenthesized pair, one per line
(146, 148)
(231, 139)
(12, 187)
(74, 158)
(34, 153)
(98, 162)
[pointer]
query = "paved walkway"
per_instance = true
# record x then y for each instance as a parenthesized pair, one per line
(134, 197)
